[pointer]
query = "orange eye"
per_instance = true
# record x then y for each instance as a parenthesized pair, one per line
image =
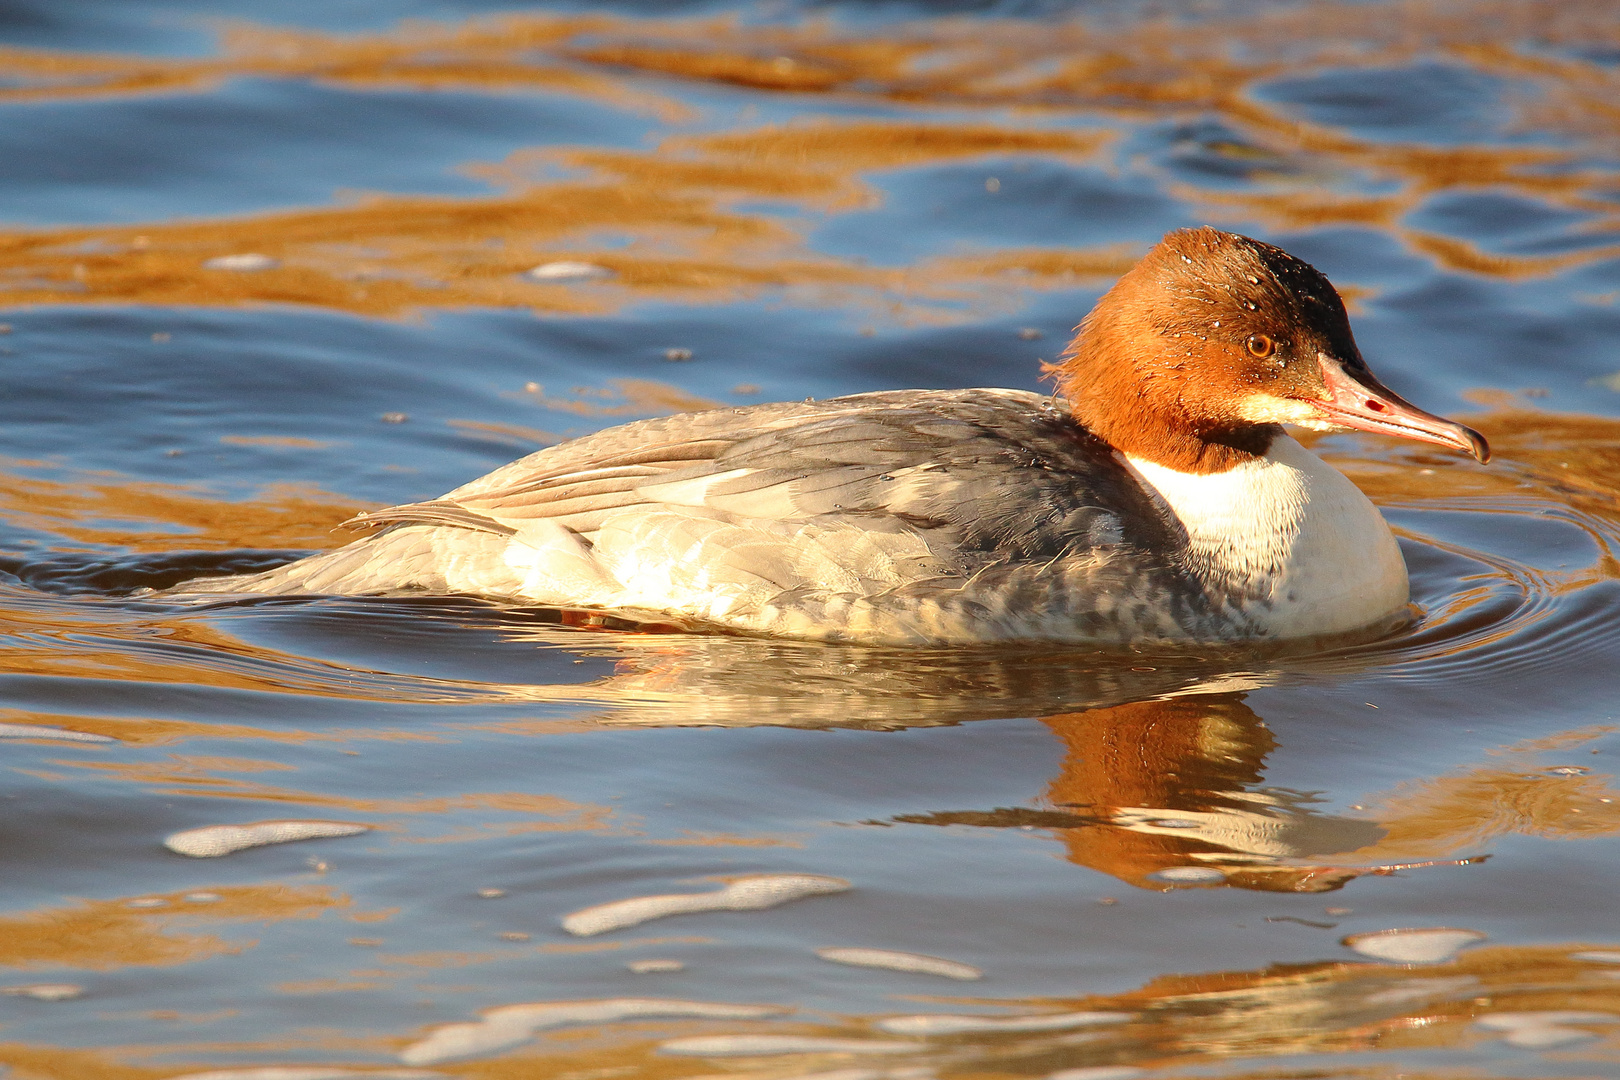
(1261, 346)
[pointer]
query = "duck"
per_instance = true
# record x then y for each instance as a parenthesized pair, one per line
(1155, 498)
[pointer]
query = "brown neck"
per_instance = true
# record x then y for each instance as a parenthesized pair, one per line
(1142, 435)
(1166, 367)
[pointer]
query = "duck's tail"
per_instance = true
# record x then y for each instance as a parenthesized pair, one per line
(409, 559)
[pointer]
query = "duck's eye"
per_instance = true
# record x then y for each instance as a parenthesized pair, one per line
(1261, 346)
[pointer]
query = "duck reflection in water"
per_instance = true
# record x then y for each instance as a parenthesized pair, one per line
(1162, 780)
(1165, 794)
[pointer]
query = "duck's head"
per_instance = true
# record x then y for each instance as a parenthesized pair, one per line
(1200, 352)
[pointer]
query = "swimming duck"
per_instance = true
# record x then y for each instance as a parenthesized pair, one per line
(1154, 499)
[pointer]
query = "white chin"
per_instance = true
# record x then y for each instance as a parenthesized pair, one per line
(1318, 424)
(1266, 409)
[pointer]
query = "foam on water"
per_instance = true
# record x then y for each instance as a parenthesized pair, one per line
(754, 893)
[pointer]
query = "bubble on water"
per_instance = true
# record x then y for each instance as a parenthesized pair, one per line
(44, 991)
(202, 898)
(1029, 333)
(247, 261)
(567, 270)
(653, 967)
(1097, 1072)
(1431, 945)
(510, 1025)
(34, 731)
(1189, 875)
(767, 1045)
(212, 841)
(956, 1024)
(900, 961)
(753, 893)
(677, 356)
(1543, 1030)
(147, 902)
(1569, 770)
(491, 894)
(1597, 956)
(469, 1039)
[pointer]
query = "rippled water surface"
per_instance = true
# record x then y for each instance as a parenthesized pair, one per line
(265, 265)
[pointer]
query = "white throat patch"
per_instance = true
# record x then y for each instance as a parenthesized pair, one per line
(1291, 533)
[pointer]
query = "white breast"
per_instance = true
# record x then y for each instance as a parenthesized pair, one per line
(1292, 534)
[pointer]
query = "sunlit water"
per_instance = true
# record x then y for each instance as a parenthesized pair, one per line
(1155, 860)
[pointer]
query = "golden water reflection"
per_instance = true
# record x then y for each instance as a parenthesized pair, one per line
(720, 216)
(147, 931)
(1151, 790)
(141, 516)
(1249, 1023)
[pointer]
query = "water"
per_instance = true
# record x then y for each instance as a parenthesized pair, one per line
(811, 200)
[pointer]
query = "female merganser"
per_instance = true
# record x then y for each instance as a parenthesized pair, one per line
(1157, 501)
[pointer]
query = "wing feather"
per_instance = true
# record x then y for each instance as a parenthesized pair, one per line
(433, 512)
(929, 463)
